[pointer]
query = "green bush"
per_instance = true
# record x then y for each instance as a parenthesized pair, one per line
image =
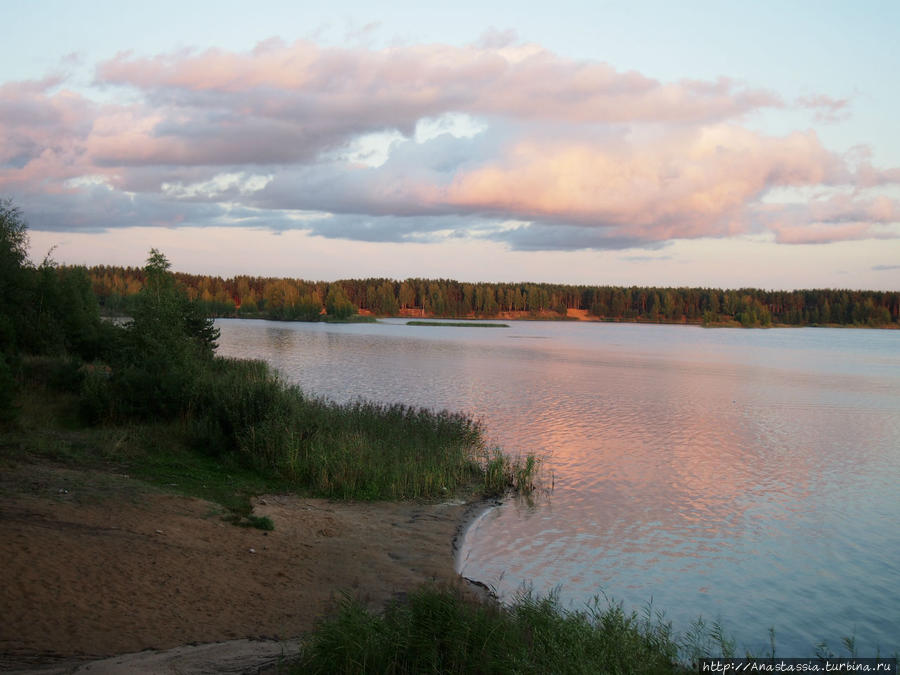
(441, 631)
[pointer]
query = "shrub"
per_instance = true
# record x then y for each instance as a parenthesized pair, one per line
(440, 631)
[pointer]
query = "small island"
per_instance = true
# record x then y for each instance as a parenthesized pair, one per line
(458, 324)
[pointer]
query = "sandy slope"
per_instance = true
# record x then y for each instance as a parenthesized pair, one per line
(85, 577)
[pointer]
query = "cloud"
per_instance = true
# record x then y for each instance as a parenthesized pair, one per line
(392, 228)
(824, 233)
(827, 109)
(841, 216)
(885, 268)
(500, 140)
(706, 182)
(551, 237)
(645, 258)
(683, 185)
(42, 131)
(399, 85)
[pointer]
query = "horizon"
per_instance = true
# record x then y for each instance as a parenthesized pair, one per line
(705, 145)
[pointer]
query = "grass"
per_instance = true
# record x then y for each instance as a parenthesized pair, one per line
(242, 431)
(259, 522)
(441, 631)
(458, 324)
(122, 461)
(360, 450)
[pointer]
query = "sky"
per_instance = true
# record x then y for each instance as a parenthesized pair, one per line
(724, 144)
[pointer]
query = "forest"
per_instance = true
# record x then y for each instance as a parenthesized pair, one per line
(301, 300)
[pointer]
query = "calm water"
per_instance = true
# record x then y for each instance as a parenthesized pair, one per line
(750, 477)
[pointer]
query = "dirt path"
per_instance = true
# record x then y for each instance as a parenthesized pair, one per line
(88, 575)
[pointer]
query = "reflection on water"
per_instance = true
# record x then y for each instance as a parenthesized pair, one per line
(748, 476)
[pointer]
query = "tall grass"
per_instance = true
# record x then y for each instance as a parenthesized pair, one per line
(440, 631)
(359, 450)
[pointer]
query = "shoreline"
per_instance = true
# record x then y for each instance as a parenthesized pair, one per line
(573, 316)
(123, 580)
(460, 554)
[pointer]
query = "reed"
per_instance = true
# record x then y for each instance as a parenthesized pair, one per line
(362, 450)
(440, 631)
(359, 450)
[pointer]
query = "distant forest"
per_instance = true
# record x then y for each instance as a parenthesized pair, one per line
(299, 300)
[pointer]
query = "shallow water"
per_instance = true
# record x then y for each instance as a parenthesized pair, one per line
(746, 476)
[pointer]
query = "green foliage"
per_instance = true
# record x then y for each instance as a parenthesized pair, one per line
(337, 305)
(239, 413)
(440, 631)
(67, 314)
(15, 277)
(306, 309)
(165, 314)
(502, 473)
(154, 453)
(44, 310)
(360, 450)
(162, 351)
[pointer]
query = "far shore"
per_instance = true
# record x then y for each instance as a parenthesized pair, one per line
(572, 315)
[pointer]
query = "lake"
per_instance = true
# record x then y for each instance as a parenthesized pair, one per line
(746, 476)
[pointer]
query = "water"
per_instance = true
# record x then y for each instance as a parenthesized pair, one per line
(750, 477)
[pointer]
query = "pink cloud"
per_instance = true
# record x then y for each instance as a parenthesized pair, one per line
(824, 233)
(686, 185)
(700, 182)
(827, 108)
(43, 129)
(841, 208)
(590, 155)
(524, 81)
(842, 216)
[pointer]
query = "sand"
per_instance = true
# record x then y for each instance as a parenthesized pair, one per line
(88, 574)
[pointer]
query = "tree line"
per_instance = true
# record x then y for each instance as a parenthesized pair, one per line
(299, 299)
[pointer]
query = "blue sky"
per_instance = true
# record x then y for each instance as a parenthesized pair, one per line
(724, 144)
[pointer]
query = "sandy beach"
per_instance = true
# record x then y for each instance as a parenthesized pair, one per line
(89, 575)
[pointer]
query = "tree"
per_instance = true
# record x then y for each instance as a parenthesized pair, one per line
(407, 295)
(164, 311)
(13, 300)
(336, 303)
(165, 346)
(15, 276)
(386, 301)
